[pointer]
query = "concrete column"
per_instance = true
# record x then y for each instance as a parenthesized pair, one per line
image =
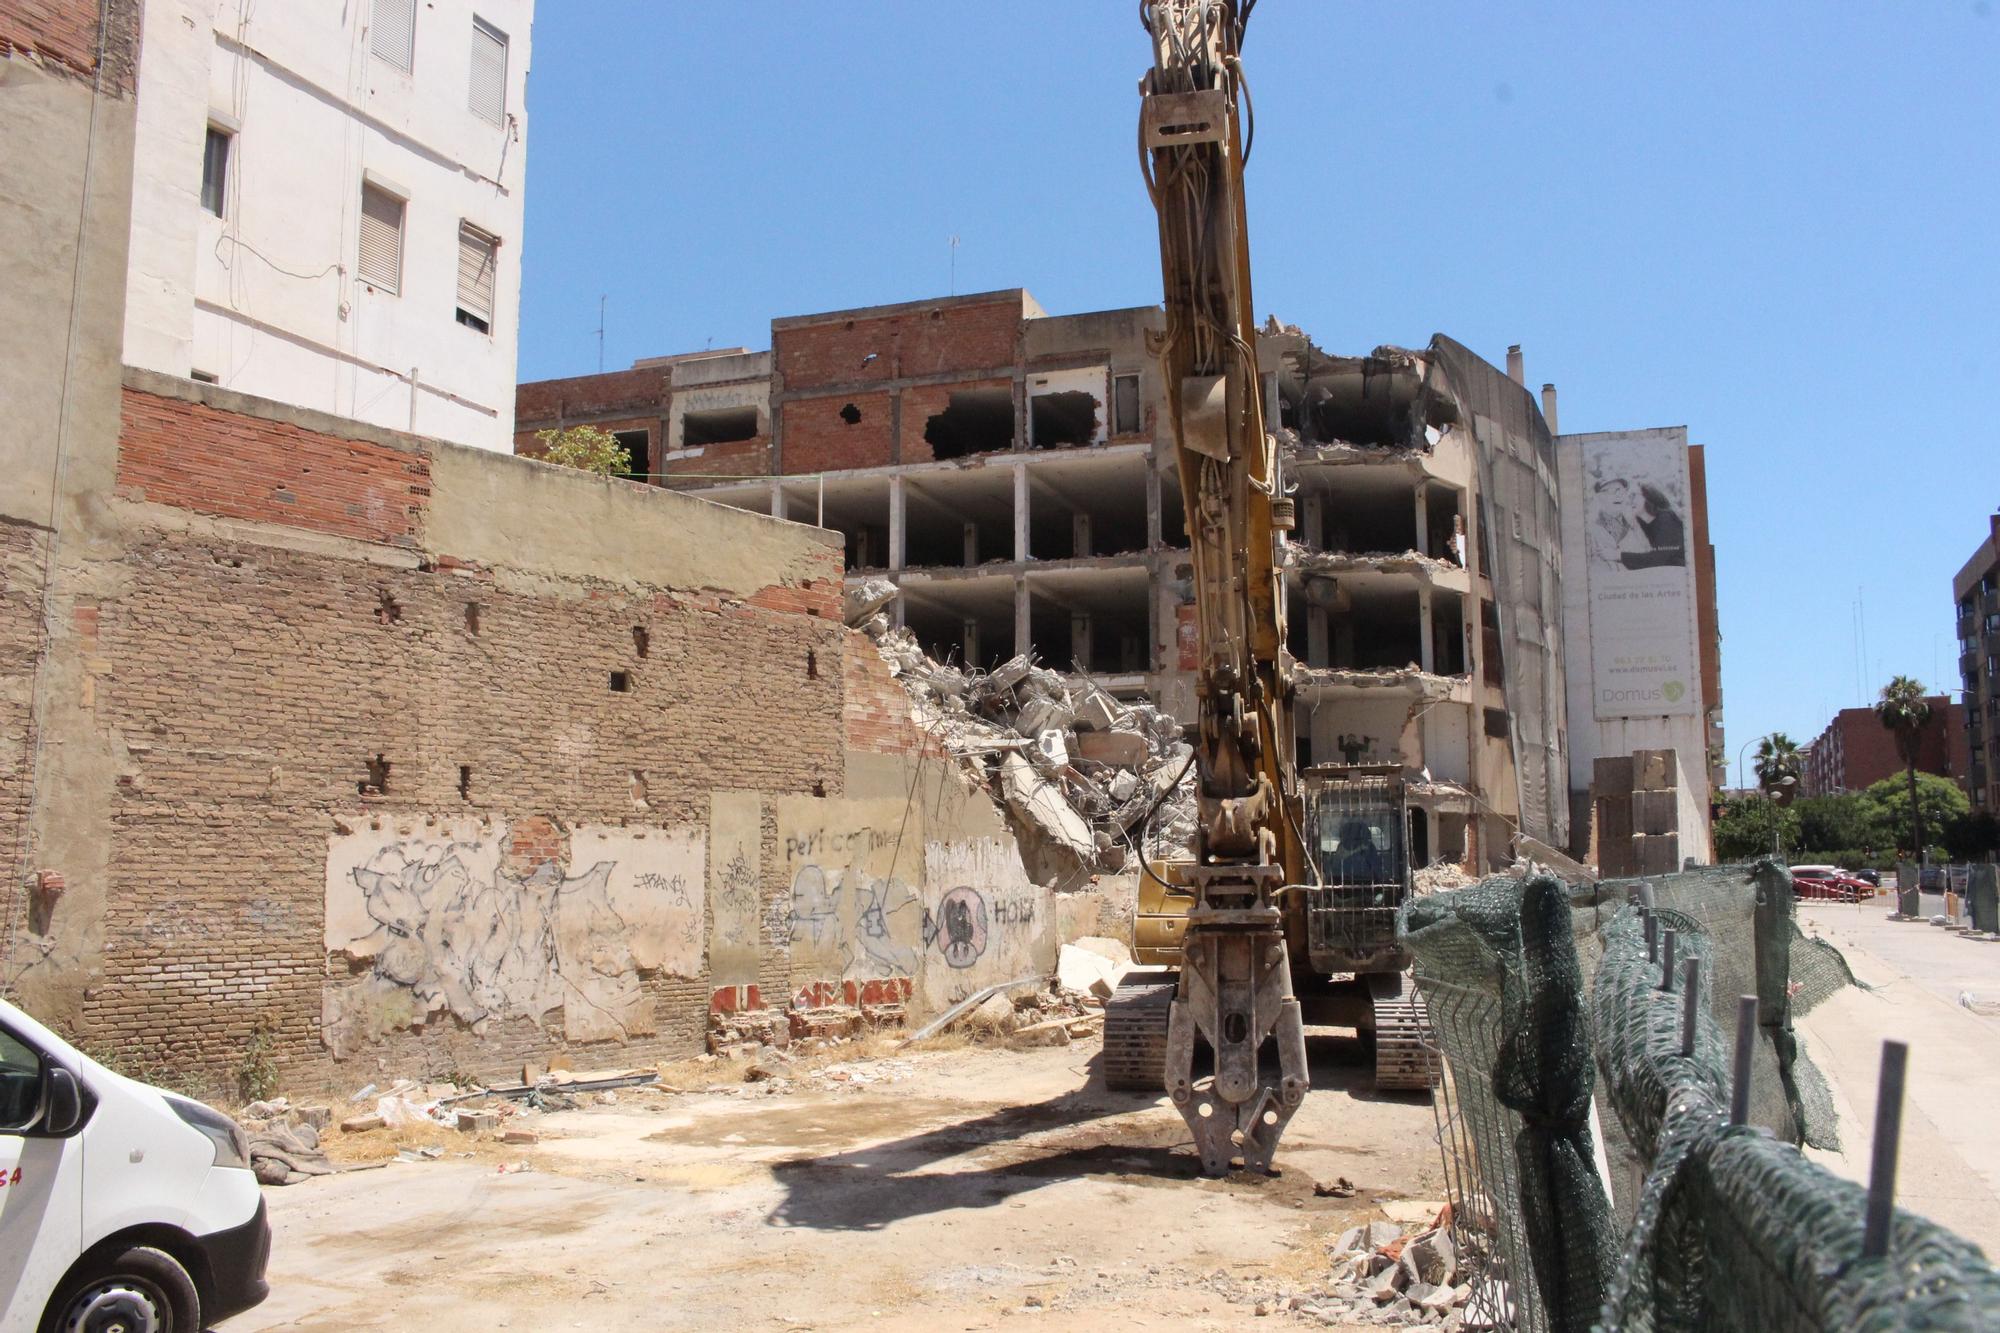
(1427, 647)
(1312, 524)
(1023, 640)
(777, 499)
(1549, 406)
(1318, 645)
(896, 610)
(1021, 512)
(1423, 518)
(1079, 639)
(1155, 517)
(1516, 371)
(897, 531)
(969, 642)
(971, 545)
(1079, 527)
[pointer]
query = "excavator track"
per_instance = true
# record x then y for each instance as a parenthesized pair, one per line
(1135, 1031)
(1404, 1061)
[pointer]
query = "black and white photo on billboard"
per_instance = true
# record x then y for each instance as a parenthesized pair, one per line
(1635, 513)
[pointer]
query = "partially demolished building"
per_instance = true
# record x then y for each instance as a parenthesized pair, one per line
(1007, 472)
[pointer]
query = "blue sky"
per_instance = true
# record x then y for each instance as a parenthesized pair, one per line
(1777, 224)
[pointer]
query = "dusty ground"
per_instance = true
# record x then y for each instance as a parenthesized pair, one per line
(958, 1189)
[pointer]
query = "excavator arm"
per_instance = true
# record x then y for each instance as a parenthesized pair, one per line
(1235, 982)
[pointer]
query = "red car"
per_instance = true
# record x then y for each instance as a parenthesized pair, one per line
(1829, 883)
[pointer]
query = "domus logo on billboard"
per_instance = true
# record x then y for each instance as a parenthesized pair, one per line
(1669, 692)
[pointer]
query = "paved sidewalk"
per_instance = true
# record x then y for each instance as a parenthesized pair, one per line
(1950, 1156)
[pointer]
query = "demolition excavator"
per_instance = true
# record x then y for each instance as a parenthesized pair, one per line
(1286, 912)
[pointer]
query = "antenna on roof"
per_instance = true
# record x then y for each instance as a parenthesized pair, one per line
(600, 333)
(952, 241)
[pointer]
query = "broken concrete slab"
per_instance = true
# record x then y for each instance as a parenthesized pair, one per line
(1097, 710)
(1127, 749)
(1041, 803)
(865, 598)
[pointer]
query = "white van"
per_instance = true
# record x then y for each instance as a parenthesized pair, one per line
(122, 1207)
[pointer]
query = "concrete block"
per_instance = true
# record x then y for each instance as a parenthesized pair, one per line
(361, 1124)
(1654, 770)
(478, 1122)
(1127, 749)
(1097, 711)
(1656, 812)
(1611, 774)
(1658, 854)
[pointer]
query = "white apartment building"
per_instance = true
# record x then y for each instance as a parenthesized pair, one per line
(328, 205)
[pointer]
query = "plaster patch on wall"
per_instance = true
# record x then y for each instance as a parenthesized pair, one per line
(437, 925)
(855, 869)
(984, 920)
(735, 880)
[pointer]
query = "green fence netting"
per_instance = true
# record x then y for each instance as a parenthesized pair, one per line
(1534, 988)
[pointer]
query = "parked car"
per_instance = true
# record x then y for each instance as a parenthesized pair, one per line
(1829, 882)
(1872, 877)
(122, 1206)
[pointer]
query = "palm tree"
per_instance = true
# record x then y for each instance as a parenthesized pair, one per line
(1904, 710)
(1778, 763)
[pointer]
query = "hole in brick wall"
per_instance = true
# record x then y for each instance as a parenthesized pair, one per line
(387, 609)
(718, 425)
(974, 421)
(472, 617)
(621, 682)
(639, 789)
(819, 788)
(377, 781)
(851, 414)
(465, 782)
(812, 665)
(1064, 419)
(642, 642)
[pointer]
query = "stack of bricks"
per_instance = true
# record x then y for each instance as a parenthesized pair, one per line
(1636, 802)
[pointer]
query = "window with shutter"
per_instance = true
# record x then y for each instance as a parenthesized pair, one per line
(489, 72)
(215, 170)
(381, 239)
(393, 34)
(478, 254)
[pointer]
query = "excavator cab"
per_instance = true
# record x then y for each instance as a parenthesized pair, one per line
(1358, 836)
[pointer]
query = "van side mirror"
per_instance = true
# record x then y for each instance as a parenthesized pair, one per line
(62, 1103)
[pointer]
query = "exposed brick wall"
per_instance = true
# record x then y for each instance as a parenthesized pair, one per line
(924, 401)
(21, 553)
(878, 707)
(197, 457)
(64, 33)
(581, 398)
(931, 341)
(232, 787)
(1856, 750)
(818, 439)
(737, 458)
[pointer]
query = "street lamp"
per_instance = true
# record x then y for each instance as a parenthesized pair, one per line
(1777, 810)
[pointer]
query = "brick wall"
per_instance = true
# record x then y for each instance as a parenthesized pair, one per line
(1856, 750)
(819, 439)
(915, 343)
(21, 552)
(197, 457)
(584, 398)
(924, 401)
(64, 33)
(877, 713)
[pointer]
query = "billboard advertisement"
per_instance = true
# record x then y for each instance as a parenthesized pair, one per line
(1637, 541)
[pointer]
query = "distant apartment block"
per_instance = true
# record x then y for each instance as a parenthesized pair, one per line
(1976, 589)
(328, 206)
(1856, 751)
(1007, 469)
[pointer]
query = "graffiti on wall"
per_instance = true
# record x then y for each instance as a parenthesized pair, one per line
(735, 878)
(985, 920)
(854, 868)
(436, 920)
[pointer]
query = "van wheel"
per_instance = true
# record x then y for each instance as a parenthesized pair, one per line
(140, 1290)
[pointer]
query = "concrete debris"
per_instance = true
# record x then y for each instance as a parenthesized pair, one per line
(284, 1146)
(361, 1124)
(1382, 1274)
(1441, 875)
(1053, 1032)
(1084, 776)
(864, 599)
(995, 1015)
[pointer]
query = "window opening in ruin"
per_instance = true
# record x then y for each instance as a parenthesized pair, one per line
(642, 642)
(377, 781)
(1489, 643)
(621, 682)
(639, 446)
(1373, 521)
(639, 789)
(727, 425)
(472, 617)
(465, 782)
(1447, 635)
(1062, 420)
(819, 788)
(812, 665)
(1496, 723)
(387, 609)
(1125, 418)
(215, 169)
(974, 421)
(851, 415)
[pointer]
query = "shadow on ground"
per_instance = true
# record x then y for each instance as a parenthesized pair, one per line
(868, 1188)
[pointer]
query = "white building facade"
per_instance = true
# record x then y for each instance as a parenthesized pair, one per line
(328, 206)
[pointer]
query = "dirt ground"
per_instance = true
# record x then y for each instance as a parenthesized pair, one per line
(949, 1189)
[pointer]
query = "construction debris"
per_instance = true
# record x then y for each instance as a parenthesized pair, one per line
(1084, 777)
(284, 1141)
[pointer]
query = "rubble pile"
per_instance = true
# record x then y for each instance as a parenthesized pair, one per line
(284, 1140)
(1083, 776)
(1385, 1276)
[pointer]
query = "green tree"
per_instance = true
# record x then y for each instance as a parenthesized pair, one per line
(587, 449)
(1745, 826)
(1837, 823)
(1904, 710)
(1778, 759)
(1938, 802)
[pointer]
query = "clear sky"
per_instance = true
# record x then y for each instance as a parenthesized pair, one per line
(1775, 223)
